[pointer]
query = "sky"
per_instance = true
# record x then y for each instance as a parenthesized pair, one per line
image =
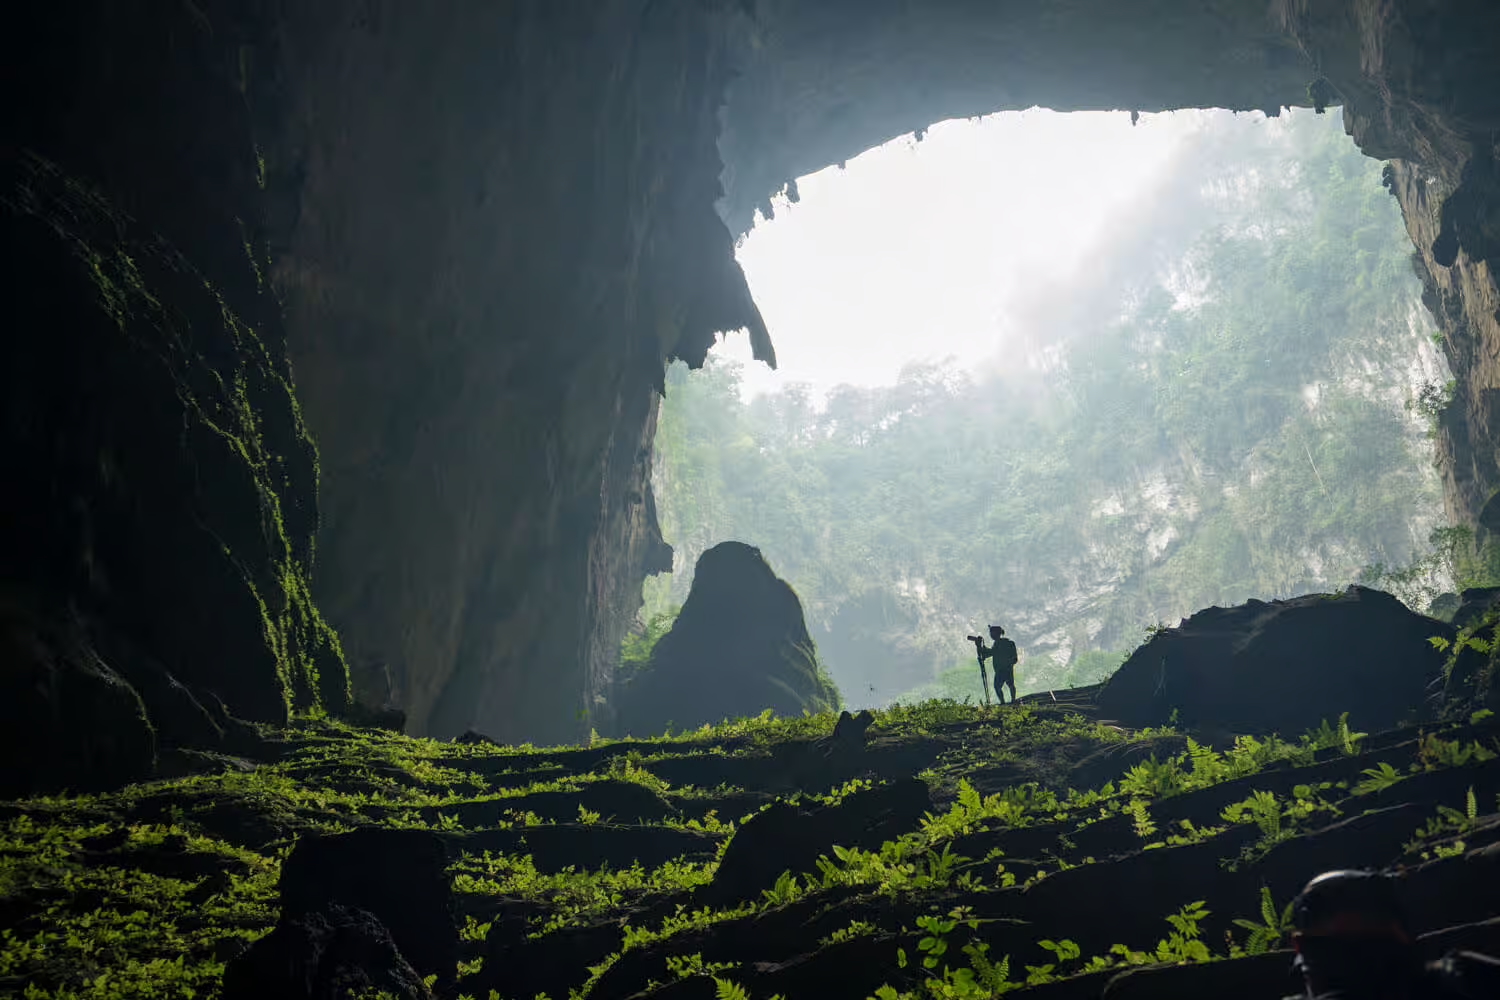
(928, 250)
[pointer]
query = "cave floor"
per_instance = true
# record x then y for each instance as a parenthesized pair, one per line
(1054, 840)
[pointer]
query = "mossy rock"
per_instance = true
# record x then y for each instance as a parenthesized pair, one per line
(161, 487)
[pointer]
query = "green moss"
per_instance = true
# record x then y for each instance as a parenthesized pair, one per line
(148, 890)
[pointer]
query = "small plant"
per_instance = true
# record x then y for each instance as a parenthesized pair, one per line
(1141, 814)
(684, 966)
(1184, 943)
(1274, 925)
(1448, 821)
(1435, 752)
(1327, 737)
(1262, 809)
(1377, 778)
(786, 890)
(934, 945)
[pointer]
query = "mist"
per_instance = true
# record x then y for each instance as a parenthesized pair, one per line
(1070, 375)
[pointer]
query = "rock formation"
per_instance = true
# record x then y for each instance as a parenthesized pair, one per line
(740, 646)
(160, 499)
(488, 226)
(1284, 666)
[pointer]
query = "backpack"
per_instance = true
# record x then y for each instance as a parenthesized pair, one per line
(1005, 655)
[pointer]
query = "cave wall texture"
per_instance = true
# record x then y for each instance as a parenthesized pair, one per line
(489, 225)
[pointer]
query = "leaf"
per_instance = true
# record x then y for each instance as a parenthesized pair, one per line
(725, 989)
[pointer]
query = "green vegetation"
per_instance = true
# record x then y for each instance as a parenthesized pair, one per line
(150, 890)
(635, 651)
(1226, 421)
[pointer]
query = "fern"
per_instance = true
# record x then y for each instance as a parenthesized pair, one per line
(1265, 935)
(1378, 778)
(727, 989)
(1138, 811)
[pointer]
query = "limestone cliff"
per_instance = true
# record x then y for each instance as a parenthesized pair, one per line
(1418, 82)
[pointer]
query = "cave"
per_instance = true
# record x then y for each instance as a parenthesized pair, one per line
(398, 284)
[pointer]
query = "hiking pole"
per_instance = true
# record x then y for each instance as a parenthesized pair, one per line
(984, 677)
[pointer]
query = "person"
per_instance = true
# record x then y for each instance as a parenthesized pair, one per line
(1353, 942)
(1002, 656)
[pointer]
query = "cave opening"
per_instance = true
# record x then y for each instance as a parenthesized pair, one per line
(1081, 373)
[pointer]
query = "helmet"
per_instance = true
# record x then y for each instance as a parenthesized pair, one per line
(1350, 905)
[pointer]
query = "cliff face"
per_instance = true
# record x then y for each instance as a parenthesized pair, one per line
(160, 502)
(490, 225)
(499, 223)
(1419, 86)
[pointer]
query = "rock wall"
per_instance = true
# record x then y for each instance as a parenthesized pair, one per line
(160, 502)
(1421, 87)
(824, 80)
(498, 225)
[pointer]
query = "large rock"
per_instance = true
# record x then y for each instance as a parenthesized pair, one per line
(76, 722)
(156, 526)
(790, 837)
(337, 954)
(398, 876)
(740, 646)
(1284, 666)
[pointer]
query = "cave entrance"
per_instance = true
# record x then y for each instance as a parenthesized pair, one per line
(1073, 373)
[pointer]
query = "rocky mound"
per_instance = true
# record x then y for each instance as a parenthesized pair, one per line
(1284, 666)
(740, 646)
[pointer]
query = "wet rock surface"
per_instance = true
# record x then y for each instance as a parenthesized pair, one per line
(740, 646)
(160, 500)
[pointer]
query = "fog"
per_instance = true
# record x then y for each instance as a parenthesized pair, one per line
(984, 243)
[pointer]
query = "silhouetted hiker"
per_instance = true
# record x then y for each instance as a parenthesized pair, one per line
(1002, 655)
(1353, 943)
(1003, 658)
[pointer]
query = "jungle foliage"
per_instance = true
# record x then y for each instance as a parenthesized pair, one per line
(1220, 411)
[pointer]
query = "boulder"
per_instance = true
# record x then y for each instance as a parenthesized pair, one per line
(788, 837)
(76, 722)
(1283, 666)
(740, 646)
(1473, 604)
(398, 876)
(335, 954)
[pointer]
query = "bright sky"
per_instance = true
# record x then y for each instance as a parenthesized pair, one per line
(921, 251)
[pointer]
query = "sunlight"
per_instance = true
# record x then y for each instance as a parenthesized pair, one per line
(920, 251)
